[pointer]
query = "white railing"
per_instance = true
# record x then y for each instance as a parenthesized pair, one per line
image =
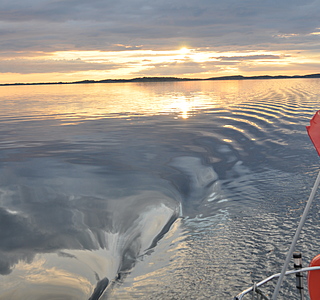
(256, 285)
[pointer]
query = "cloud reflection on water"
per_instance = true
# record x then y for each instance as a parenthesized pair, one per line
(91, 199)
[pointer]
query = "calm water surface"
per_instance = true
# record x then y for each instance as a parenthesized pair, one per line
(185, 190)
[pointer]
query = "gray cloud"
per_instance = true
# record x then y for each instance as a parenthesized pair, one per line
(98, 24)
(23, 54)
(249, 57)
(27, 66)
(303, 67)
(174, 68)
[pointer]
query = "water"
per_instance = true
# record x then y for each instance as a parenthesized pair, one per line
(175, 190)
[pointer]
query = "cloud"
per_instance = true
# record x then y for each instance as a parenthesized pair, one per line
(249, 57)
(28, 66)
(96, 24)
(298, 68)
(120, 47)
(248, 26)
(173, 68)
(22, 54)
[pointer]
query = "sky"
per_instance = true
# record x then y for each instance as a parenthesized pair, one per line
(71, 40)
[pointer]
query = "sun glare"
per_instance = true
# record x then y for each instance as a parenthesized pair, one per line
(184, 50)
(97, 65)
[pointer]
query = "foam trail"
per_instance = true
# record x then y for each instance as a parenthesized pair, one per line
(143, 234)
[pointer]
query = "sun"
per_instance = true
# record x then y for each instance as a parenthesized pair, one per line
(184, 50)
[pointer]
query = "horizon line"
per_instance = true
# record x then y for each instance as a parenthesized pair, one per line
(168, 79)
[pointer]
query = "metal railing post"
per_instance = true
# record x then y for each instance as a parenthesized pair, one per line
(297, 258)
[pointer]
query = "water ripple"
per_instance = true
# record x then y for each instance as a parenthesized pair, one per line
(175, 190)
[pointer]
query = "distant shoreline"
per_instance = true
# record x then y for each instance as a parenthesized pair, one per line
(168, 79)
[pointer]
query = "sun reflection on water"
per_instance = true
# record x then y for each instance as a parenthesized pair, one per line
(184, 107)
(104, 101)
